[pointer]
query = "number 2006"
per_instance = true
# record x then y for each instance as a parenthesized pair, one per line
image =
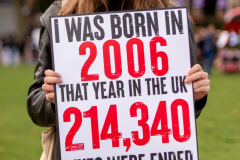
(111, 123)
(130, 58)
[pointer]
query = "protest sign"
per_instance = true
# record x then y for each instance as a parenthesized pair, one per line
(123, 95)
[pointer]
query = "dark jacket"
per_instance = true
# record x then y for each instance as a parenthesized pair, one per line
(41, 111)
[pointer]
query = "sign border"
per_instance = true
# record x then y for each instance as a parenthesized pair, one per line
(119, 11)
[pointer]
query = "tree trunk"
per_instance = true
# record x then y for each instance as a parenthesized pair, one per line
(20, 23)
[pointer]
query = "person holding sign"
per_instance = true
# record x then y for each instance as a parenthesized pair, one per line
(41, 98)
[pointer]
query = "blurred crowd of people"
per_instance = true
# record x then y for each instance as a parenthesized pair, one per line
(218, 48)
(13, 52)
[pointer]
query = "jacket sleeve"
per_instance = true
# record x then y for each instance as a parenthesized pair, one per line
(41, 111)
(199, 105)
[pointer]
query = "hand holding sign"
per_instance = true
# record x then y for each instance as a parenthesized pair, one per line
(48, 86)
(201, 83)
(123, 89)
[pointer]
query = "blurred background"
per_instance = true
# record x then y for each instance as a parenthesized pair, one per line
(217, 35)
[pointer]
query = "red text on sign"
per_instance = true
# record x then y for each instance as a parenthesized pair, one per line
(130, 58)
(111, 124)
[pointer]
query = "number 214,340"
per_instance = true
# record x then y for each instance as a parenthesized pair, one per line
(111, 123)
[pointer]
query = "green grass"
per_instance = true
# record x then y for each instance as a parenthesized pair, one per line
(218, 125)
(20, 139)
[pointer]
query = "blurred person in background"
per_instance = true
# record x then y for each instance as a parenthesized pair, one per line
(209, 48)
(10, 52)
(41, 98)
(239, 37)
(199, 37)
(233, 39)
(29, 50)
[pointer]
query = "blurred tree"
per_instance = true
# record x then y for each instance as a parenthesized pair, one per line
(41, 5)
(18, 5)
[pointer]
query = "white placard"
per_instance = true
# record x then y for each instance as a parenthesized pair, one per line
(123, 95)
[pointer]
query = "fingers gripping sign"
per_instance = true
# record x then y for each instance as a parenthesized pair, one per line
(201, 83)
(48, 86)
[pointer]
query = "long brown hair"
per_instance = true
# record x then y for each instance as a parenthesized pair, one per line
(89, 6)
